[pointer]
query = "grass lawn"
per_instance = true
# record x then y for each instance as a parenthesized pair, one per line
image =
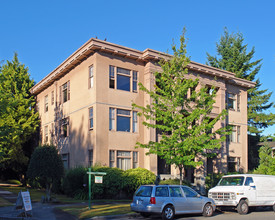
(36, 194)
(82, 212)
(4, 202)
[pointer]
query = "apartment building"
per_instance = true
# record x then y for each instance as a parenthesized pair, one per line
(85, 106)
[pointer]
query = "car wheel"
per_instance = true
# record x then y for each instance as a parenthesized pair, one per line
(207, 210)
(242, 207)
(168, 213)
(144, 214)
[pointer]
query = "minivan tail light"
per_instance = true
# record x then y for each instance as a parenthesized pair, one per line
(152, 200)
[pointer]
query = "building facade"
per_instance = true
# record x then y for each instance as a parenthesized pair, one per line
(85, 106)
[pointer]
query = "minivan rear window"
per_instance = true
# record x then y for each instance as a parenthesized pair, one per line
(144, 191)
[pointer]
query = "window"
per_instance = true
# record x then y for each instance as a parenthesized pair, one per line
(111, 77)
(46, 134)
(248, 181)
(52, 98)
(91, 156)
(120, 78)
(135, 159)
(235, 135)
(175, 191)
(123, 120)
(124, 160)
(112, 158)
(135, 81)
(162, 191)
(189, 192)
(52, 133)
(65, 159)
(111, 119)
(135, 125)
(233, 164)
(91, 77)
(37, 106)
(238, 102)
(233, 101)
(65, 92)
(46, 103)
(123, 79)
(65, 127)
(91, 118)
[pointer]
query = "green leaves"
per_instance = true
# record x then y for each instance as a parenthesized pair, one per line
(232, 55)
(18, 119)
(179, 111)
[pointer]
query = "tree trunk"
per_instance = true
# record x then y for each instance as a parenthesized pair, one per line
(180, 168)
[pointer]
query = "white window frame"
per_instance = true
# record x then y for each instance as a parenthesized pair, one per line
(46, 103)
(46, 132)
(91, 118)
(91, 76)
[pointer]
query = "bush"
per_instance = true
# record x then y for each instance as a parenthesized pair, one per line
(73, 181)
(212, 180)
(136, 177)
(175, 182)
(113, 183)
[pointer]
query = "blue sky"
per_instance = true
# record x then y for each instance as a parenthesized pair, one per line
(45, 33)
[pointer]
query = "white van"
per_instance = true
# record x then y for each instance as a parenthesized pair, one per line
(243, 191)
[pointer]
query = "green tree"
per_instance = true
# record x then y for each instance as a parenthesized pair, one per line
(182, 120)
(18, 120)
(46, 167)
(232, 55)
(267, 162)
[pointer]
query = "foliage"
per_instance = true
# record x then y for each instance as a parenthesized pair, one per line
(234, 57)
(136, 177)
(212, 179)
(175, 182)
(74, 180)
(267, 162)
(46, 166)
(18, 120)
(113, 183)
(180, 113)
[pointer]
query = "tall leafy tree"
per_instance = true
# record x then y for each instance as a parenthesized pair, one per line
(18, 119)
(46, 167)
(180, 112)
(233, 56)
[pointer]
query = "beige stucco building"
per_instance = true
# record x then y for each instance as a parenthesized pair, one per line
(85, 107)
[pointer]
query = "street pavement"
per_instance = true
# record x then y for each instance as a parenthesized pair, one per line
(49, 212)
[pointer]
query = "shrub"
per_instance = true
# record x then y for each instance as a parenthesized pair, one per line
(136, 177)
(175, 182)
(74, 180)
(46, 167)
(113, 183)
(212, 180)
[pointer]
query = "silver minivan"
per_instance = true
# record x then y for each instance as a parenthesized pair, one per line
(170, 200)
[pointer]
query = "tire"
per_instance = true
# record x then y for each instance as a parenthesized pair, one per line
(168, 213)
(207, 210)
(242, 207)
(144, 214)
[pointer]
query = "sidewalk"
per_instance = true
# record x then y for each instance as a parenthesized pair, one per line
(39, 211)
